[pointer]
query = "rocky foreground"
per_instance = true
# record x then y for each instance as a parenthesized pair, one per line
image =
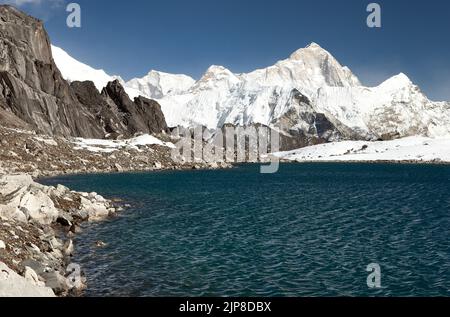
(37, 222)
(23, 151)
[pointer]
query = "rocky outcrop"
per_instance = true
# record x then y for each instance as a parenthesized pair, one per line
(142, 115)
(152, 115)
(31, 86)
(107, 114)
(24, 200)
(14, 285)
(303, 125)
(34, 95)
(37, 223)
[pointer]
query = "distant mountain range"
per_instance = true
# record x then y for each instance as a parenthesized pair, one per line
(310, 81)
(309, 97)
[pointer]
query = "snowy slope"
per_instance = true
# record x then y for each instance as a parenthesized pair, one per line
(411, 149)
(397, 106)
(159, 84)
(73, 70)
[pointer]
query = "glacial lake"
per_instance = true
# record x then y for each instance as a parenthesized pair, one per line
(308, 230)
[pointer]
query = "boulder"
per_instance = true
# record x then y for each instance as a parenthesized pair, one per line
(14, 285)
(23, 200)
(12, 213)
(64, 218)
(39, 207)
(97, 211)
(36, 266)
(56, 282)
(32, 277)
(60, 191)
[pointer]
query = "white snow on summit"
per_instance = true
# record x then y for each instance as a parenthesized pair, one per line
(159, 84)
(73, 70)
(396, 107)
(310, 68)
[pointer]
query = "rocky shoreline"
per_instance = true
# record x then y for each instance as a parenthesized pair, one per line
(38, 223)
(36, 229)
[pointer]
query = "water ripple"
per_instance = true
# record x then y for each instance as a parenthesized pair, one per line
(309, 230)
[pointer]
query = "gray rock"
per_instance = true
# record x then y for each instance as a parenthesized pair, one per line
(32, 277)
(142, 115)
(118, 168)
(14, 285)
(64, 219)
(56, 282)
(37, 267)
(68, 248)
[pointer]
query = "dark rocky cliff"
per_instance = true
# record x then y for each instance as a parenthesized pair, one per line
(142, 115)
(34, 94)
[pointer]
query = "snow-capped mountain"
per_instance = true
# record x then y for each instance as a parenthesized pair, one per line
(270, 96)
(159, 84)
(74, 70)
(397, 107)
(262, 96)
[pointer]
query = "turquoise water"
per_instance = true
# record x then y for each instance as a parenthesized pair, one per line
(309, 230)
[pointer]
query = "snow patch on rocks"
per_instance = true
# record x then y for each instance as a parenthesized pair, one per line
(109, 146)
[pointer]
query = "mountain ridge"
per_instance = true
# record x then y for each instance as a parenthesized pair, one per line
(221, 96)
(35, 95)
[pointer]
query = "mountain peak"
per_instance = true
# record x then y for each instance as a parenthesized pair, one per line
(217, 72)
(402, 77)
(313, 49)
(314, 45)
(397, 82)
(216, 69)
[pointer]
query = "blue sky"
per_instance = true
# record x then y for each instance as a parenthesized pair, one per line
(131, 37)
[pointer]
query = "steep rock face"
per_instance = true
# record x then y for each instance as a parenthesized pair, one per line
(152, 114)
(106, 114)
(33, 93)
(302, 116)
(9, 120)
(142, 115)
(31, 86)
